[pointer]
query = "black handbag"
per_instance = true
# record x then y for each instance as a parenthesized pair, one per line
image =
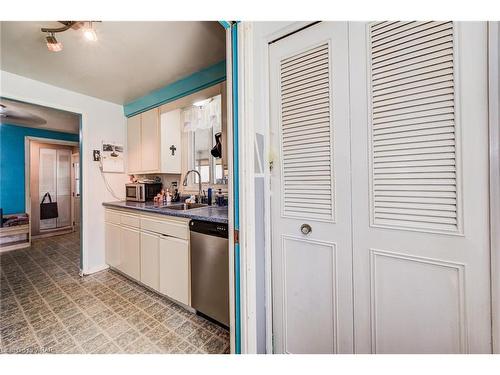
(48, 210)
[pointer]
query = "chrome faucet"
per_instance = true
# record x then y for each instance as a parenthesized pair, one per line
(185, 182)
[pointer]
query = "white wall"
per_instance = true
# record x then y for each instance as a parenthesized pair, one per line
(101, 120)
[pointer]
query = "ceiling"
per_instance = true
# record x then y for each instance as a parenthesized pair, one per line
(129, 60)
(36, 116)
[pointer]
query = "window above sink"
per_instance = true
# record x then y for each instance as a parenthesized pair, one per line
(202, 122)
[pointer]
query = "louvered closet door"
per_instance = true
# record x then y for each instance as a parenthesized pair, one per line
(420, 187)
(310, 183)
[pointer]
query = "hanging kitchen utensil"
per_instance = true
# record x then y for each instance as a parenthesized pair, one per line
(48, 210)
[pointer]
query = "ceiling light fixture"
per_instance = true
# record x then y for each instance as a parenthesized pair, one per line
(52, 44)
(89, 32)
(202, 103)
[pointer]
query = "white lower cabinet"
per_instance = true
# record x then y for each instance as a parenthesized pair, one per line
(174, 268)
(151, 249)
(150, 260)
(130, 252)
(113, 244)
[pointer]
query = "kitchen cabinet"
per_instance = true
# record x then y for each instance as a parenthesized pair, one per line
(134, 144)
(174, 268)
(150, 141)
(171, 142)
(154, 142)
(150, 260)
(151, 249)
(113, 244)
(130, 253)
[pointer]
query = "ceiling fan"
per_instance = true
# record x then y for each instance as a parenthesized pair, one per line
(54, 45)
(13, 114)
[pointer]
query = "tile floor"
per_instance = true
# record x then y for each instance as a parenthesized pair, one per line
(46, 307)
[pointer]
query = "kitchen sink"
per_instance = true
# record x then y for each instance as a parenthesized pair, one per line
(185, 206)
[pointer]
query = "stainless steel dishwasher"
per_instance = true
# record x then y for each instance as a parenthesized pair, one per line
(210, 270)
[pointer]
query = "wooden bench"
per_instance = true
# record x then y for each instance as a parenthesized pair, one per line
(16, 236)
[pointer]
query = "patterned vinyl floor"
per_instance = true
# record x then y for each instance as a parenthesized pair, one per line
(46, 307)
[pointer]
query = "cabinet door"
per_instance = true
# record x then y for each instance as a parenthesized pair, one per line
(171, 142)
(150, 260)
(113, 244)
(130, 253)
(174, 268)
(150, 140)
(134, 143)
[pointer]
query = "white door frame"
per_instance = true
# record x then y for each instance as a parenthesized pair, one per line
(83, 119)
(259, 56)
(494, 138)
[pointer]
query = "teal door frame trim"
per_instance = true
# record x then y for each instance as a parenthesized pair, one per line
(236, 187)
(232, 26)
(225, 24)
(185, 86)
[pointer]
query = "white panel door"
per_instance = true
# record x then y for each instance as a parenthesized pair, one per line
(310, 184)
(47, 177)
(420, 187)
(64, 187)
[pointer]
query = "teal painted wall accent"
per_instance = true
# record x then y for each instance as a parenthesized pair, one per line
(225, 24)
(12, 198)
(195, 82)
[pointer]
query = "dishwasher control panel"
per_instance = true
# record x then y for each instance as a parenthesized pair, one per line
(209, 228)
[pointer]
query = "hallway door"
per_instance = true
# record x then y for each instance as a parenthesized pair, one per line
(420, 187)
(311, 192)
(50, 171)
(396, 260)
(75, 189)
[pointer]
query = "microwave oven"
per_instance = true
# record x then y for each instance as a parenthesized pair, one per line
(142, 191)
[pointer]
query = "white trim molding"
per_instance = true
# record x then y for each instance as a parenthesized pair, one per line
(494, 127)
(247, 190)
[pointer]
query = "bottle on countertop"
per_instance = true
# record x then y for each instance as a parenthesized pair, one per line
(209, 198)
(220, 198)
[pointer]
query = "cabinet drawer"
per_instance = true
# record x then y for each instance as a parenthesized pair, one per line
(111, 216)
(130, 220)
(166, 227)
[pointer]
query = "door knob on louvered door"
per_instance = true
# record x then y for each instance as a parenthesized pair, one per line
(305, 228)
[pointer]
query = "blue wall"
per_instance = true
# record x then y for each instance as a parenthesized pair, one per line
(12, 163)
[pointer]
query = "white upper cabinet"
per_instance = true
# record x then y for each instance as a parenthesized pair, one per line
(150, 140)
(170, 126)
(134, 143)
(154, 146)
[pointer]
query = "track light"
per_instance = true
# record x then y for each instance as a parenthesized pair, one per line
(52, 44)
(89, 32)
(87, 27)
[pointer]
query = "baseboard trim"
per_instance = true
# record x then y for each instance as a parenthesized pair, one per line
(102, 267)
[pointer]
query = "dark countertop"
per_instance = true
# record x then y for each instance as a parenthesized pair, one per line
(213, 214)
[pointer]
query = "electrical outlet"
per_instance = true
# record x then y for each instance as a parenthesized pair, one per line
(97, 155)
